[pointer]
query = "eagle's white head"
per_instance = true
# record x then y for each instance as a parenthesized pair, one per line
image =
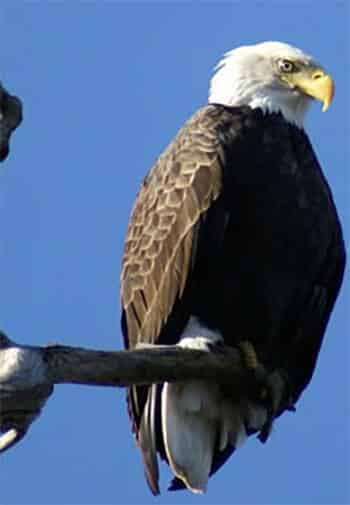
(273, 76)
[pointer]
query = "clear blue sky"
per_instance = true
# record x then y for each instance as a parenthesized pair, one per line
(105, 86)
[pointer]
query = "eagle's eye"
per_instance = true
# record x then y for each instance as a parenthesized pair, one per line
(286, 66)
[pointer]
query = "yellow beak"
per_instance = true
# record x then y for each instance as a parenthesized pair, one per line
(315, 83)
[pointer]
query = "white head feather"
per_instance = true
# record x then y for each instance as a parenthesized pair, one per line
(248, 76)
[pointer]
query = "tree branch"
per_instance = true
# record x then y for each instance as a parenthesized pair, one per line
(149, 365)
(10, 119)
(28, 375)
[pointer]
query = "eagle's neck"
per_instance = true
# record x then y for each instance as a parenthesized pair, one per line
(291, 104)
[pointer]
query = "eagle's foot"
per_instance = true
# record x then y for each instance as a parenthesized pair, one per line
(249, 355)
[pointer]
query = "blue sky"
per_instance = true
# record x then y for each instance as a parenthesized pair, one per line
(105, 86)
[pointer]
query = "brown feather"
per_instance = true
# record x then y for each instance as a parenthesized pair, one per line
(157, 256)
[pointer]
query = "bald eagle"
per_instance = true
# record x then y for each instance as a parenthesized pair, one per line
(234, 238)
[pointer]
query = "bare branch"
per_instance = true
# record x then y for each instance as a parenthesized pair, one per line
(154, 364)
(28, 375)
(24, 389)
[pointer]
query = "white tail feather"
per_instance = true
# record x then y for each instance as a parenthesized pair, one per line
(196, 416)
(189, 436)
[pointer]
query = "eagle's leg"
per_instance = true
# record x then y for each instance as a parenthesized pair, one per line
(251, 362)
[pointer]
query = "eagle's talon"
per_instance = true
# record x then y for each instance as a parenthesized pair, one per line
(273, 395)
(265, 431)
(269, 403)
(267, 398)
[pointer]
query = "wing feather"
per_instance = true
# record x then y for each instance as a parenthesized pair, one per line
(184, 182)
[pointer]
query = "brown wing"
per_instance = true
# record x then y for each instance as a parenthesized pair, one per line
(181, 186)
(159, 250)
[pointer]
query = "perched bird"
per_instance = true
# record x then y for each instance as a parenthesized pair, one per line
(234, 238)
